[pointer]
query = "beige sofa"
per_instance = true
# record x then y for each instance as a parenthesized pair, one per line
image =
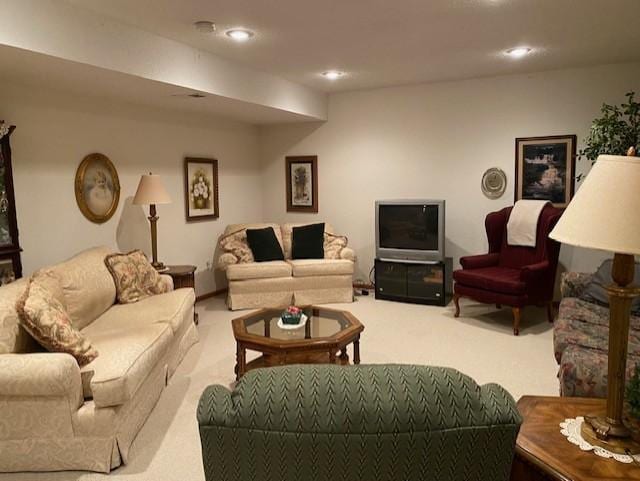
(280, 283)
(55, 415)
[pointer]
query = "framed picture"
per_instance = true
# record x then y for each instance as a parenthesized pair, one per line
(97, 188)
(201, 188)
(302, 183)
(546, 168)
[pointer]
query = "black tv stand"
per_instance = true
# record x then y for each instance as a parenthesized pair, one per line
(416, 282)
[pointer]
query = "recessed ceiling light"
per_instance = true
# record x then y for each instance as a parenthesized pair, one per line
(333, 74)
(204, 26)
(239, 34)
(518, 52)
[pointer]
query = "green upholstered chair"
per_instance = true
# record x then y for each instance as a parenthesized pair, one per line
(357, 423)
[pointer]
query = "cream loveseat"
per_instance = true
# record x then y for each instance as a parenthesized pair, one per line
(57, 416)
(280, 283)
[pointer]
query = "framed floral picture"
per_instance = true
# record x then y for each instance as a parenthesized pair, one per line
(302, 183)
(201, 188)
(546, 168)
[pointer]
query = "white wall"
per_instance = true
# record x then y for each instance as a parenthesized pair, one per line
(54, 133)
(435, 141)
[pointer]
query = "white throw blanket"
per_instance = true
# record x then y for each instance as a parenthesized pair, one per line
(523, 222)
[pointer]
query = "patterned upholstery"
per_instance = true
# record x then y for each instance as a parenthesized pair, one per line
(13, 337)
(127, 357)
(581, 341)
(385, 422)
(87, 285)
(48, 418)
(258, 270)
(276, 283)
(321, 267)
(43, 316)
(134, 276)
(511, 275)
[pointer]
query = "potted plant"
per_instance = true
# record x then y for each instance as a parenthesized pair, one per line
(614, 132)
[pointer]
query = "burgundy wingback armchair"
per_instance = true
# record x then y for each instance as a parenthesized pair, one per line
(515, 276)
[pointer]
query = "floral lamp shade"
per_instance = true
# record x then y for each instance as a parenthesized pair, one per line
(151, 190)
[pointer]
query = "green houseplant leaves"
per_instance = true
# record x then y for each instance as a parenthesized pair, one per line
(614, 132)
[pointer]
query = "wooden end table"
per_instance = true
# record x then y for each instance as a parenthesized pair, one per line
(183, 276)
(323, 339)
(543, 453)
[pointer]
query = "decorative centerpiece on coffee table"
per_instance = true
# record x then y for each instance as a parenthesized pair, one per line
(292, 318)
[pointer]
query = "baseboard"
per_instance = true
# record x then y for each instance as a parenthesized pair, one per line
(211, 294)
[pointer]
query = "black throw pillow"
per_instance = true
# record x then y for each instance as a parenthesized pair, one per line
(264, 245)
(308, 242)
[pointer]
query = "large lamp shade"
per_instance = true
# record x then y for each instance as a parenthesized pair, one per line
(605, 212)
(151, 191)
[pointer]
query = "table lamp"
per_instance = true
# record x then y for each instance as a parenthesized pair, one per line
(150, 192)
(605, 214)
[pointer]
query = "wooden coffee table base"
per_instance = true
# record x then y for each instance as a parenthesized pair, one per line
(304, 357)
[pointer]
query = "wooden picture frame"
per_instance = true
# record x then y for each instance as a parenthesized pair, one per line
(201, 189)
(301, 173)
(546, 169)
(97, 188)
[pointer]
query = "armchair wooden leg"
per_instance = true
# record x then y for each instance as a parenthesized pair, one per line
(456, 299)
(551, 312)
(517, 311)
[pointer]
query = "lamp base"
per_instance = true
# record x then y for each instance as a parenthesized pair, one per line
(159, 266)
(617, 438)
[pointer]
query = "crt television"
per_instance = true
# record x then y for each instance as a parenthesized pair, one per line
(411, 230)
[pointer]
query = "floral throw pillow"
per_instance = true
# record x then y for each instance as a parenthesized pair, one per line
(333, 245)
(236, 243)
(44, 317)
(134, 276)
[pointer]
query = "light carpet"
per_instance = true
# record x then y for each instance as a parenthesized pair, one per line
(480, 344)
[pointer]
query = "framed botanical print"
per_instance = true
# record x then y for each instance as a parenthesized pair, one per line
(201, 188)
(302, 183)
(546, 168)
(97, 188)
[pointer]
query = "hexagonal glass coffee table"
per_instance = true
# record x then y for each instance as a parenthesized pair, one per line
(323, 339)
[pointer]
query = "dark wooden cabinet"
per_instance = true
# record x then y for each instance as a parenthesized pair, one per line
(10, 263)
(418, 282)
(183, 276)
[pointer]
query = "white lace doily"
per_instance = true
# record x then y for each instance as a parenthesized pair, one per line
(570, 428)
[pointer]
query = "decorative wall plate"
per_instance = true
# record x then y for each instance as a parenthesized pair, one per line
(494, 183)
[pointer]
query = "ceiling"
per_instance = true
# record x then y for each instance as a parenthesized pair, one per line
(394, 42)
(34, 69)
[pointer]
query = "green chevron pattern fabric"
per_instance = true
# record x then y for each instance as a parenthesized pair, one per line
(376, 422)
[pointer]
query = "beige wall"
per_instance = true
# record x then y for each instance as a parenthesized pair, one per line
(435, 141)
(424, 141)
(55, 131)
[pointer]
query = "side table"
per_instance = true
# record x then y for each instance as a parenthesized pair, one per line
(543, 453)
(183, 276)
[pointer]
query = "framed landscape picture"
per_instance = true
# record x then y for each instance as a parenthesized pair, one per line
(302, 183)
(545, 168)
(201, 188)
